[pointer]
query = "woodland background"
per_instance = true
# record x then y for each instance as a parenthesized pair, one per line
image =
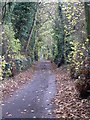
(59, 32)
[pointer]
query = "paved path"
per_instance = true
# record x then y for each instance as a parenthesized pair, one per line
(33, 100)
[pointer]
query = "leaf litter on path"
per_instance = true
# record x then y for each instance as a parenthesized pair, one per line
(9, 86)
(68, 105)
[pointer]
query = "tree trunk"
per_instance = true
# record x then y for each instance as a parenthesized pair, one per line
(31, 31)
(63, 35)
(87, 14)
